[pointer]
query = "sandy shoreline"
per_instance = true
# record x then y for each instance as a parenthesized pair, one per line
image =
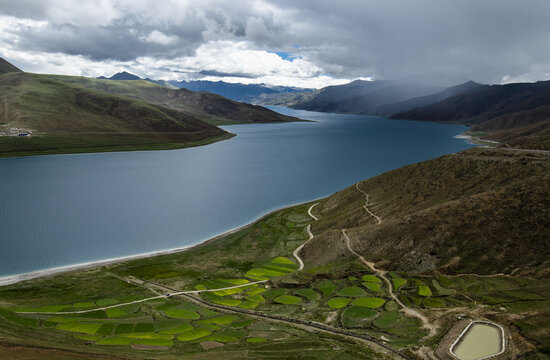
(14, 279)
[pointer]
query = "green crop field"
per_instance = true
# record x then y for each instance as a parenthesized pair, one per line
(375, 287)
(153, 342)
(151, 335)
(327, 287)
(106, 329)
(227, 302)
(178, 329)
(424, 290)
(179, 313)
(194, 334)
(282, 260)
(114, 312)
(220, 320)
(255, 291)
(372, 279)
(386, 319)
(143, 328)
(356, 315)
(255, 298)
(309, 294)
(338, 303)
(86, 304)
(287, 299)
(115, 341)
(273, 293)
(398, 282)
(85, 328)
(369, 302)
(352, 291)
(249, 305)
(124, 328)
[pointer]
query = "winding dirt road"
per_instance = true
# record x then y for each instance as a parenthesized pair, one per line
(310, 234)
(366, 204)
(382, 274)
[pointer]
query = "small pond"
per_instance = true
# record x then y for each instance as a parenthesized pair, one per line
(478, 341)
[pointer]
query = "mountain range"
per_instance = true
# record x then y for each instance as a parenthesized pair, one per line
(514, 114)
(234, 91)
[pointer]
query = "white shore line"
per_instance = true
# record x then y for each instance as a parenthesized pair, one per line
(138, 301)
(14, 279)
(310, 234)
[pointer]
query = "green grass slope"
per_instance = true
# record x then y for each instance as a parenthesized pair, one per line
(67, 117)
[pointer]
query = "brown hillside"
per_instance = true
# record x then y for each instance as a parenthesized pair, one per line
(481, 211)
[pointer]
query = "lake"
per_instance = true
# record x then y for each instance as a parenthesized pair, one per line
(62, 210)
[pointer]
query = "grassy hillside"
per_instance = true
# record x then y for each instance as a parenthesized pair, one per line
(7, 67)
(67, 117)
(482, 211)
(211, 108)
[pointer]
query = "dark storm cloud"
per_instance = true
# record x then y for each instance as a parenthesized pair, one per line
(485, 40)
(107, 42)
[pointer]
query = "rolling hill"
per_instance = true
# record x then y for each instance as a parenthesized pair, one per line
(211, 108)
(362, 97)
(482, 211)
(69, 118)
(77, 114)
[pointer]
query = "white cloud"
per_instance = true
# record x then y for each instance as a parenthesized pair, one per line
(158, 37)
(224, 57)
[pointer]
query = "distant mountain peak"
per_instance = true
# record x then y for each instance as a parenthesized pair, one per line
(124, 75)
(7, 67)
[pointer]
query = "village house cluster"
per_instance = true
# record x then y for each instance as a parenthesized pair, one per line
(16, 132)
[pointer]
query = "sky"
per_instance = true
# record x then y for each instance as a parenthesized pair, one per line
(306, 43)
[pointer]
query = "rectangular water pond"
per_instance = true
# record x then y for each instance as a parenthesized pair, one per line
(479, 341)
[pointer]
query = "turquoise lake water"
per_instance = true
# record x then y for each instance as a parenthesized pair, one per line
(68, 209)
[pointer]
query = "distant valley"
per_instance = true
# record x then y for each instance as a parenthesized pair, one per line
(515, 115)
